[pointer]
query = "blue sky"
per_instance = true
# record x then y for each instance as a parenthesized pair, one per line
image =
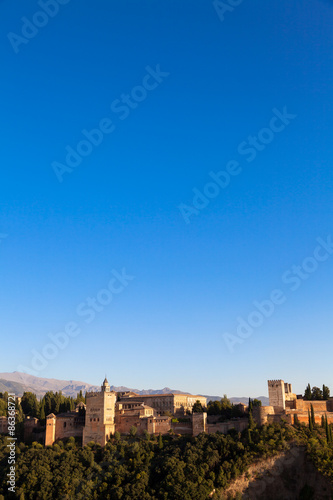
(195, 91)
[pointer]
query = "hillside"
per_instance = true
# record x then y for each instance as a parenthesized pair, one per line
(274, 462)
(289, 474)
(9, 386)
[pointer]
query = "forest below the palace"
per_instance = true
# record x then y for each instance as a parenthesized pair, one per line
(156, 467)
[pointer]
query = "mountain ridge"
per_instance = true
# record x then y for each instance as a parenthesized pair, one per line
(18, 382)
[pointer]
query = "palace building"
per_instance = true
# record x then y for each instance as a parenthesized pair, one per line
(107, 412)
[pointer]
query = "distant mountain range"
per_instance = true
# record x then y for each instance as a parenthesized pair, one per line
(264, 400)
(19, 383)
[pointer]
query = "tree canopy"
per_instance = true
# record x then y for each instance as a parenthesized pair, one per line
(316, 393)
(162, 467)
(224, 408)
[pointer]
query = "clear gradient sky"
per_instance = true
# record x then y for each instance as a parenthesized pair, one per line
(119, 208)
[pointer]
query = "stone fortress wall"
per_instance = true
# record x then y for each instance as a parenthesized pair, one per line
(285, 405)
(105, 415)
(108, 412)
(63, 425)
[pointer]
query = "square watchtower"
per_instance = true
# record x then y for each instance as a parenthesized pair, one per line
(277, 396)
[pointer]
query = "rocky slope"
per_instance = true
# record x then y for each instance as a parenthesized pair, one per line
(286, 476)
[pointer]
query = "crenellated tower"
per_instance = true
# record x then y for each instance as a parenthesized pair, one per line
(276, 394)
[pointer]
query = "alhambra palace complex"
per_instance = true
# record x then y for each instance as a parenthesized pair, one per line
(106, 412)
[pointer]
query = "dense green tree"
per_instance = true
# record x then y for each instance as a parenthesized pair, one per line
(308, 393)
(3, 407)
(184, 468)
(310, 422)
(214, 408)
(197, 407)
(312, 415)
(317, 393)
(160, 441)
(328, 431)
(224, 408)
(42, 415)
(249, 436)
(19, 413)
(251, 421)
(80, 398)
(133, 431)
(326, 392)
(49, 403)
(225, 402)
(30, 405)
(250, 405)
(57, 402)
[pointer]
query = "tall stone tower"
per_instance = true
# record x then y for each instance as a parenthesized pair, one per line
(199, 423)
(50, 430)
(100, 413)
(276, 393)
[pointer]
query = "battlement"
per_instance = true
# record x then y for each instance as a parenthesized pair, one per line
(277, 395)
